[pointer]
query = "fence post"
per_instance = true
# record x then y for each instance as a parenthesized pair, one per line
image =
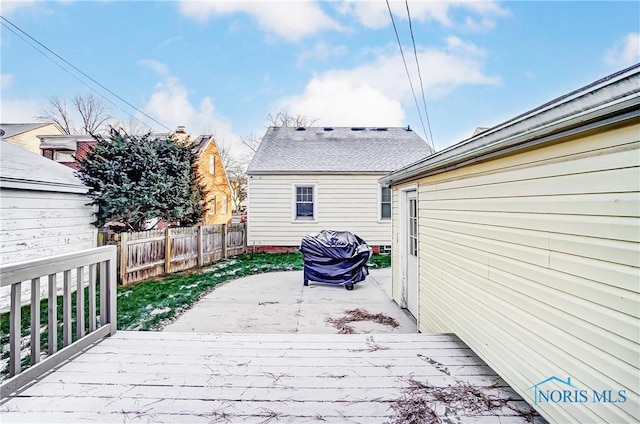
(200, 246)
(245, 236)
(167, 250)
(224, 241)
(124, 257)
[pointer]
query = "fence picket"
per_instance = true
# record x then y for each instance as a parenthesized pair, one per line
(152, 253)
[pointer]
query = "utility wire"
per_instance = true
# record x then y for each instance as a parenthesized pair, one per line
(406, 68)
(415, 54)
(6, 21)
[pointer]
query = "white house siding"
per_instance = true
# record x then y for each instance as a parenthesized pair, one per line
(35, 224)
(344, 202)
(533, 261)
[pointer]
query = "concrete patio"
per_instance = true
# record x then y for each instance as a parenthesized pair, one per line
(277, 302)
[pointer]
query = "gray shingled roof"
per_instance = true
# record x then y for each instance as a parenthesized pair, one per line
(14, 129)
(286, 150)
(21, 168)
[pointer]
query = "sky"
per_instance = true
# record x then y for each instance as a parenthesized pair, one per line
(220, 67)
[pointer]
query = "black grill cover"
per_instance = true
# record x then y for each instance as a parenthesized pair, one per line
(337, 257)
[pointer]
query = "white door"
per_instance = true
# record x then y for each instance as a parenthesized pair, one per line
(411, 252)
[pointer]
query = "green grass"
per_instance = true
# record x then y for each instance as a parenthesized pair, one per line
(151, 304)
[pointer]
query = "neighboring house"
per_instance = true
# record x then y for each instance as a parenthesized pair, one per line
(43, 208)
(26, 135)
(210, 172)
(303, 180)
(524, 241)
(213, 177)
(66, 148)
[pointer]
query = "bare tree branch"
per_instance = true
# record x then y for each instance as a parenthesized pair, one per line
(57, 113)
(284, 119)
(93, 111)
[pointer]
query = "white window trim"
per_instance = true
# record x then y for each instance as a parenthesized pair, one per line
(212, 164)
(294, 218)
(213, 209)
(380, 218)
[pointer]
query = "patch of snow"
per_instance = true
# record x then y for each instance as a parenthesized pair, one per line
(160, 311)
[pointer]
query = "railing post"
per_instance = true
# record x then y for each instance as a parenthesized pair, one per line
(104, 293)
(35, 320)
(112, 298)
(167, 251)
(224, 241)
(92, 297)
(80, 318)
(52, 315)
(15, 330)
(66, 309)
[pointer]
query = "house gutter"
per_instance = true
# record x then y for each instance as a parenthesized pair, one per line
(312, 172)
(20, 184)
(612, 100)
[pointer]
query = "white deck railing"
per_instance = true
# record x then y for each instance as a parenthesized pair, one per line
(101, 266)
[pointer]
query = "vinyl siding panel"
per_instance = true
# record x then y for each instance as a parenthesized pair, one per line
(29, 139)
(344, 202)
(533, 260)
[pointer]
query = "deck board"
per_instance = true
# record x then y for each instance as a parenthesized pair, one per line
(237, 378)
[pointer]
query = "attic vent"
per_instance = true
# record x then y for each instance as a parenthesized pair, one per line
(301, 129)
(357, 129)
(328, 129)
(380, 129)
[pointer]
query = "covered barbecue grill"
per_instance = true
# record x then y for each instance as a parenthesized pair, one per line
(334, 257)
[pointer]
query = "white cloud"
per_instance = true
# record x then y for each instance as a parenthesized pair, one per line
(375, 14)
(291, 21)
(375, 93)
(170, 105)
(159, 67)
(625, 52)
(20, 110)
(322, 51)
(340, 102)
(5, 81)
(8, 7)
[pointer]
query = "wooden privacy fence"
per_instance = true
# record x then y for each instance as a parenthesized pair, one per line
(152, 253)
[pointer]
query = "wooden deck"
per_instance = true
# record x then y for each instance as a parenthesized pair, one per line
(234, 378)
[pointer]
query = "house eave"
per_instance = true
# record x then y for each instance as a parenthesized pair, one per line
(21, 184)
(611, 101)
(312, 172)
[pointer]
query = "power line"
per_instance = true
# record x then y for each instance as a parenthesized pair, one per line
(406, 68)
(415, 54)
(5, 21)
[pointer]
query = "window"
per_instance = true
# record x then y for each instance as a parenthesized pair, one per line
(304, 202)
(225, 201)
(212, 206)
(385, 203)
(62, 156)
(212, 164)
(413, 227)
